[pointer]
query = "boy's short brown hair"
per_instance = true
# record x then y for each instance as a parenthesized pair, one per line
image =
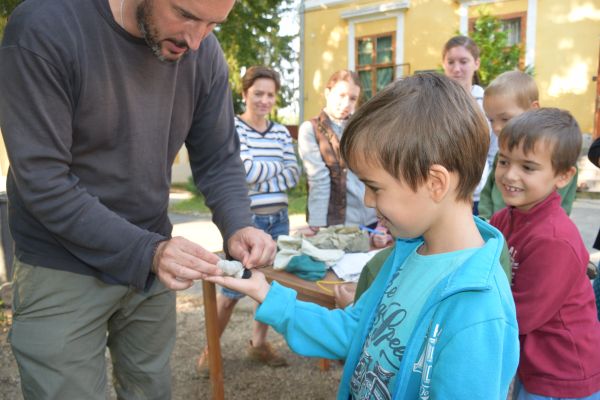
(415, 123)
(519, 85)
(555, 126)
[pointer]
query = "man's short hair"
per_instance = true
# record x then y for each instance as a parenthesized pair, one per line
(520, 86)
(555, 126)
(417, 122)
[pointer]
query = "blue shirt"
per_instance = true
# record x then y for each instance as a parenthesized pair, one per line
(395, 319)
(468, 328)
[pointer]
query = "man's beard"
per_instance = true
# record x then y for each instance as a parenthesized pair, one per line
(150, 32)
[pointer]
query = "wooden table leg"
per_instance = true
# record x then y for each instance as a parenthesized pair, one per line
(212, 337)
(323, 364)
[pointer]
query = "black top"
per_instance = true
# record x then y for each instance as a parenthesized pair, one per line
(594, 152)
(92, 122)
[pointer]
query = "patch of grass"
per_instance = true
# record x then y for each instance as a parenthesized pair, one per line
(195, 205)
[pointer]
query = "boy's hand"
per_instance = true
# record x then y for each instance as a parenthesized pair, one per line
(344, 294)
(256, 286)
(380, 241)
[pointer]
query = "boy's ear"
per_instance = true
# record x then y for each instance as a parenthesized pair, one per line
(438, 182)
(534, 105)
(565, 177)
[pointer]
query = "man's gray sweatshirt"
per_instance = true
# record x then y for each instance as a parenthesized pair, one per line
(92, 122)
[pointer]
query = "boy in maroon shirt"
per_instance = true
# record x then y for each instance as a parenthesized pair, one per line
(558, 328)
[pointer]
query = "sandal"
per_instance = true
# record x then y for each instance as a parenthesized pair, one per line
(265, 354)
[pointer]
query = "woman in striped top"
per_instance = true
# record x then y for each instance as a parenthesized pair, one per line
(271, 166)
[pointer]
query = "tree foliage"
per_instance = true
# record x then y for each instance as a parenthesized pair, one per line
(250, 36)
(496, 55)
(6, 7)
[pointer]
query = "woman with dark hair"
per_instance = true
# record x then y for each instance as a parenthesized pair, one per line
(335, 195)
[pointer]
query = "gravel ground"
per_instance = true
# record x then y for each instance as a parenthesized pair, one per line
(244, 379)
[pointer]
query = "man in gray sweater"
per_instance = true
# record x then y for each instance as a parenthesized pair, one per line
(97, 97)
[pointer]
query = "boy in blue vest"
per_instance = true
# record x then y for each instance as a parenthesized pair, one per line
(439, 320)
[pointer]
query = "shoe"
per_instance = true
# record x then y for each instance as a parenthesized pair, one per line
(265, 354)
(202, 369)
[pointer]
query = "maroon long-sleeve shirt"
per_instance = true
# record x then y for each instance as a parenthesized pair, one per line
(556, 312)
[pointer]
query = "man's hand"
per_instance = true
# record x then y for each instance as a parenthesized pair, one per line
(253, 247)
(178, 262)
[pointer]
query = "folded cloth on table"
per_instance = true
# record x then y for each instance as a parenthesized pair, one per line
(290, 246)
(305, 267)
(351, 239)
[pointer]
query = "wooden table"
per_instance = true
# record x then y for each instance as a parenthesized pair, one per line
(307, 291)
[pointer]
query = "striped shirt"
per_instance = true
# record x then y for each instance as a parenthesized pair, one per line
(270, 163)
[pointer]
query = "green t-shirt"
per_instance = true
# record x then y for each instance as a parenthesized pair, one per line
(371, 269)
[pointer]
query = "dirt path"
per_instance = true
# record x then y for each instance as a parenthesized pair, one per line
(243, 379)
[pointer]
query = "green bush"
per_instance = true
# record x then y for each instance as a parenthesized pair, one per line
(496, 55)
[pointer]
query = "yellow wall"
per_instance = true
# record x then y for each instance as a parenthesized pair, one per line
(326, 48)
(568, 40)
(566, 52)
(499, 8)
(375, 27)
(428, 24)
(325, 51)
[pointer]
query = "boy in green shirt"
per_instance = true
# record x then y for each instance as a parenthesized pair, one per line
(509, 95)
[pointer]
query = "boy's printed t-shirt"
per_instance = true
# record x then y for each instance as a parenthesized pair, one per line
(396, 315)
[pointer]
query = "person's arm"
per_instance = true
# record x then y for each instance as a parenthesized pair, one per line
(256, 171)
(317, 173)
(214, 150)
(288, 177)
(370, 271)
(568, 193)
(486, 203)
(544, 279)
(309, 329)
(291, 172)
(36, 109)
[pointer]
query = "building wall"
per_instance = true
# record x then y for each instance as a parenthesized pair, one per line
(565, 58)
(428, 25)
(499, 7)
(325, 51)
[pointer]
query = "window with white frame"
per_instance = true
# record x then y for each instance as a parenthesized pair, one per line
(375, 57)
